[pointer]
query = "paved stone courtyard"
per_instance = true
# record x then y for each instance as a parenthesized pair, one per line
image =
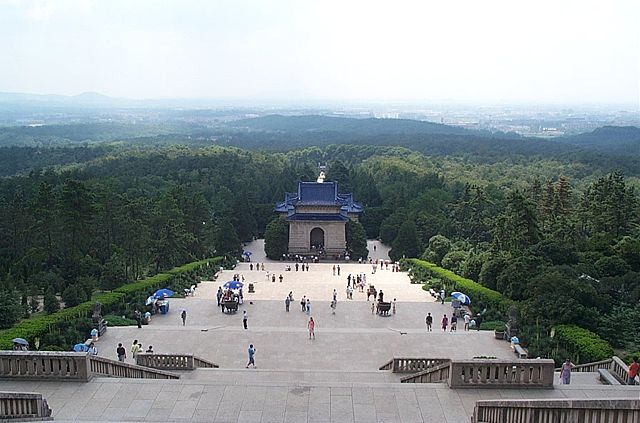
(331, 379)
(353, 339)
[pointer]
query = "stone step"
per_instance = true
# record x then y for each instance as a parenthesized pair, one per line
(293, 376)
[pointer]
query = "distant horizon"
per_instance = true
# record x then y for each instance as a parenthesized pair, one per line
(306, 102)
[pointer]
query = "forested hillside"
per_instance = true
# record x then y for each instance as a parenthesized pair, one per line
(560, 234)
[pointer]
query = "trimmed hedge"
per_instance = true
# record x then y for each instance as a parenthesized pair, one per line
(421, 270)
(581, 344)
(133, 293)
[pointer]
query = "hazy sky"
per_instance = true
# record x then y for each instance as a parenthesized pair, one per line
(470, 51)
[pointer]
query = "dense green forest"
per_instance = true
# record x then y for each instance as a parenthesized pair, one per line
(557, 231)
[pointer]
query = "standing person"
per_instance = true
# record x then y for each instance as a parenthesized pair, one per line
(633, 371)
(297, 265)
(565, 372)
(338, 268)
(454, 323)
(334, 270)
(381, 296)
(429, 321)
(308, 307)
(374, 247)
(287, 302)
(273, 278)
(138, 316)
(311, 326)
(335, 295)
(262, 266)
(334, 304)
(373, 306)
(252, 353)
(307, 267)
(183, 315)
(478, 321)
(245, 318)
(121, 352)
(445, 323)
(219, 295)
(303, 303)
(135, 349)
(467, 319)
(393, 306)
(442, 296)
(280, 278)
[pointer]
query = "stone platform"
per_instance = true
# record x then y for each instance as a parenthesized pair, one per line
(124, 400)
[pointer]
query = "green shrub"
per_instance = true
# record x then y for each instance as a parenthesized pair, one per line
(582, 345)
(493, 325)
(114, 320)
(423, 271)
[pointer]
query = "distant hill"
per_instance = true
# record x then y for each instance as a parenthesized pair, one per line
(53, 100)
(608, 139)
(351, 126)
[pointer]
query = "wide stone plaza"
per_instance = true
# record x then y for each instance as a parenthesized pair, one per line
(334, 378)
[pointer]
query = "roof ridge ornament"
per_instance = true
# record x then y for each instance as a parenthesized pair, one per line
(321, 177)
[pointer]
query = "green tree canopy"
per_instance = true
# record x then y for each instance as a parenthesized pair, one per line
(276, 238)
(406, 243)
(356, 240)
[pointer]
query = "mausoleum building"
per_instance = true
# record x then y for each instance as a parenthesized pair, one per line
(317, 215)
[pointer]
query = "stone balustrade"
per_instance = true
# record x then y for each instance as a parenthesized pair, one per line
(172, 361)
(44, 365)
(434, 374)
(23, 406)
(535, 411)
(619, 369)
(412, 365)
(72, 366)
(591, 367)
(106, 367)
(201, 363)
(535, 373)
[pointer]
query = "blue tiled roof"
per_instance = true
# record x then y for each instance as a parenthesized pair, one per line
(318, 217)
(318, 194)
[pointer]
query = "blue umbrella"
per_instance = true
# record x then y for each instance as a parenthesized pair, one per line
(20, 341)
(247, 253)
(81, 347)
(463, 298)
(164, 292)
(233, 285)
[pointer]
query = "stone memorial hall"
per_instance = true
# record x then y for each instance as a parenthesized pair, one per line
(317, 215)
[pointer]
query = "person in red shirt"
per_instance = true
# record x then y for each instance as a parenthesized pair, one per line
(312, 326)
(633, 371)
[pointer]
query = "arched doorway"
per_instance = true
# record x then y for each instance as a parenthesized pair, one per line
(317, 239)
